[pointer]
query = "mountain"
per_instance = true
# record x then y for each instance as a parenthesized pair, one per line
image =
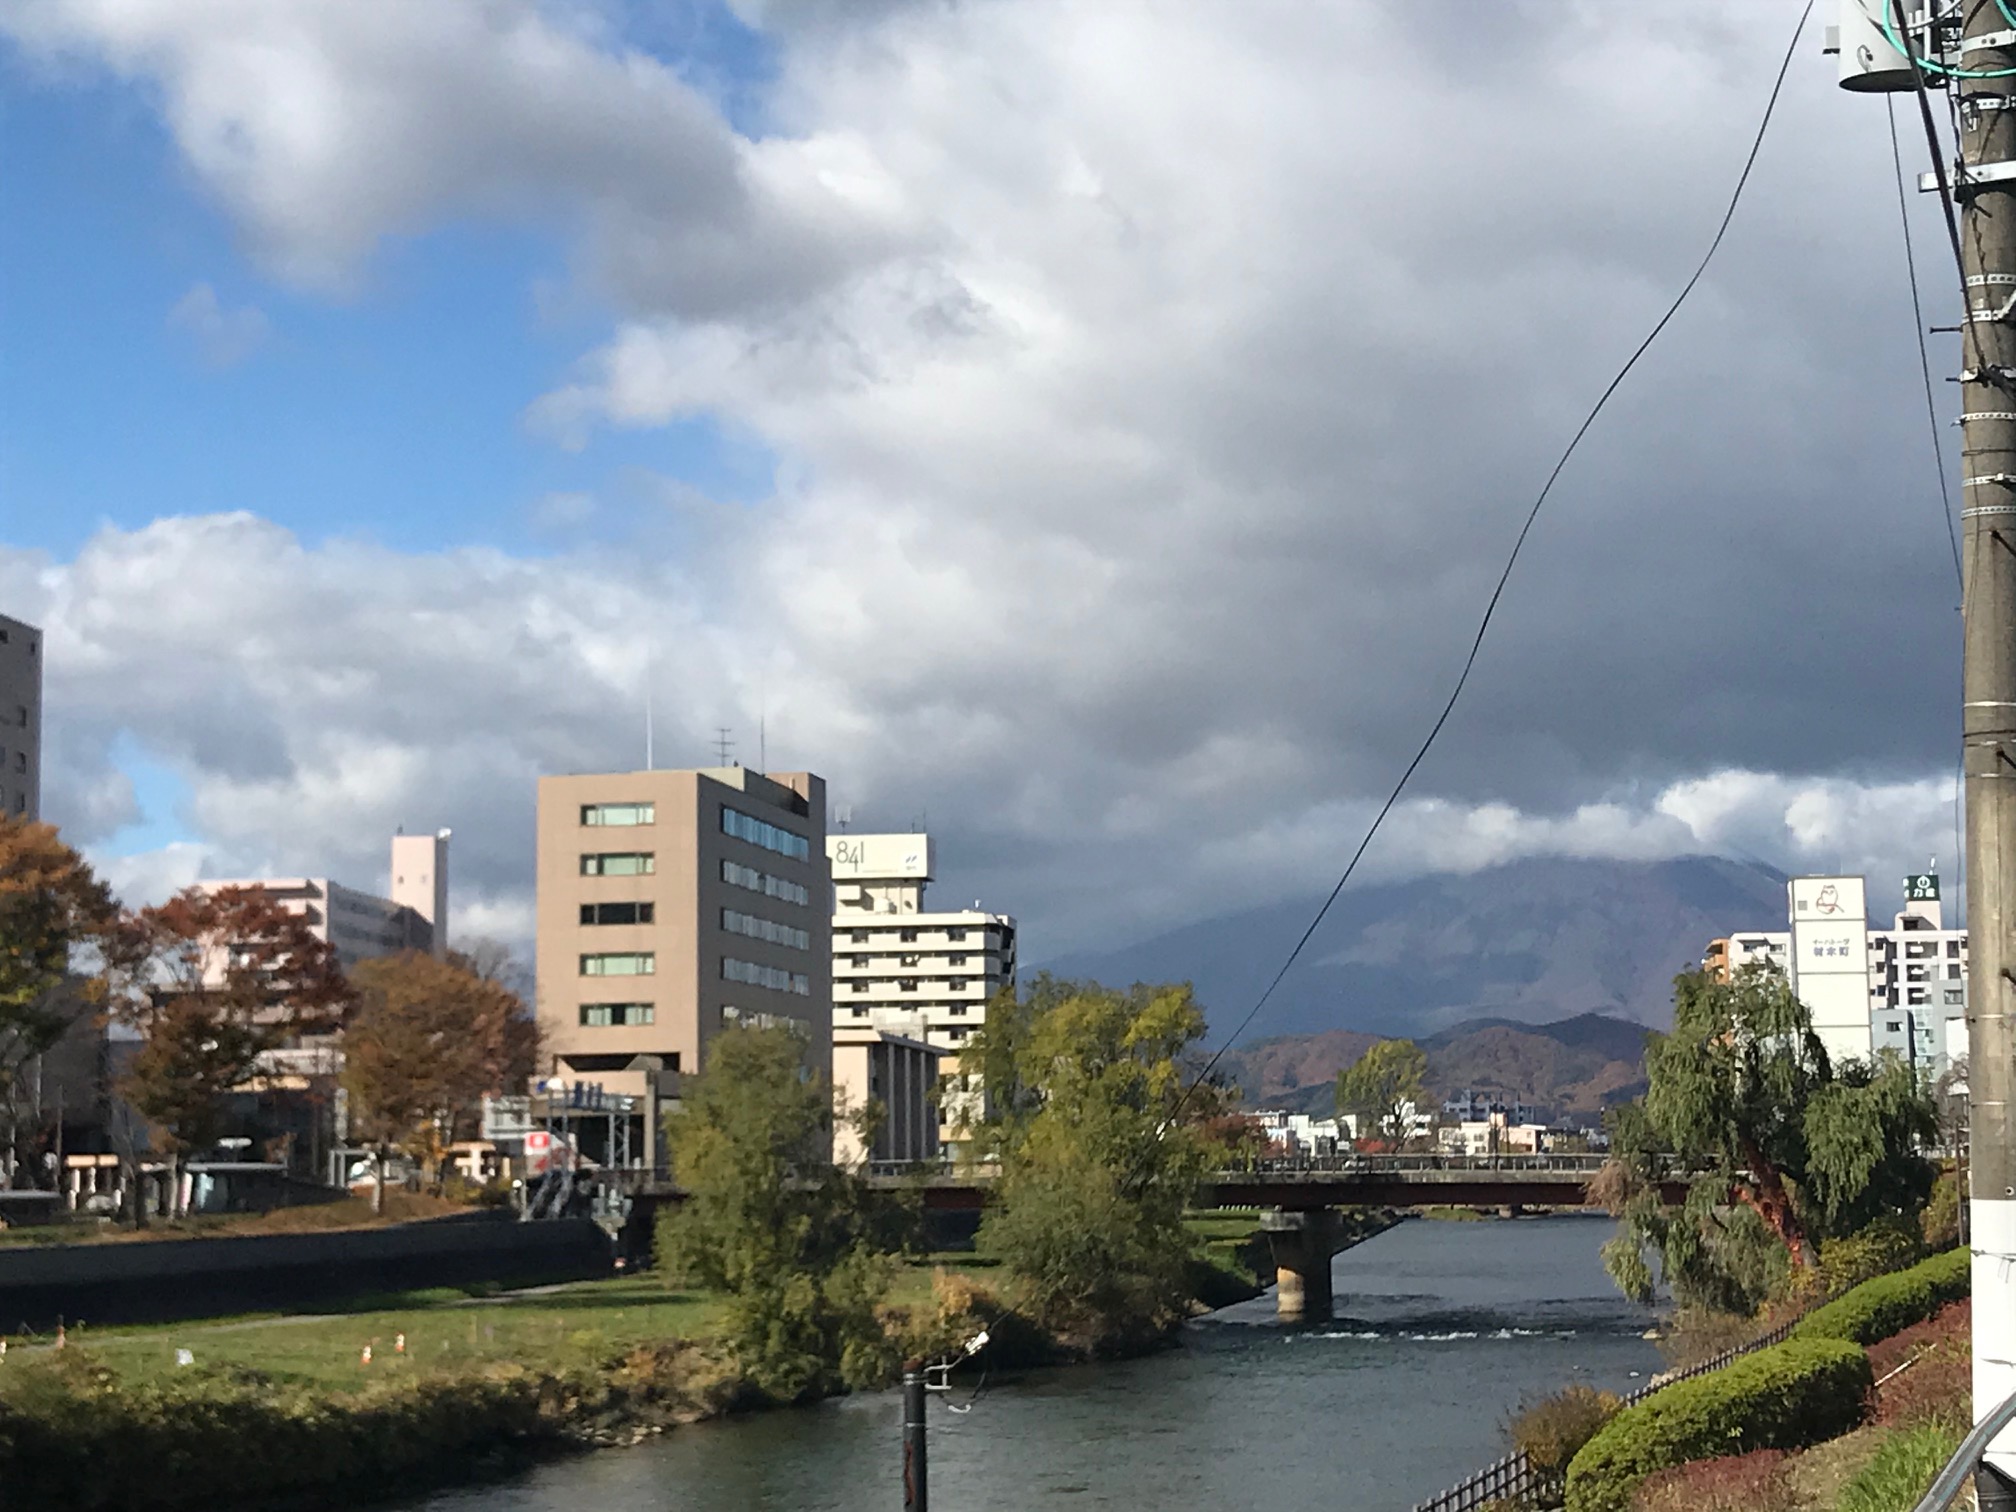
(1538, 941)
(1575, 1065)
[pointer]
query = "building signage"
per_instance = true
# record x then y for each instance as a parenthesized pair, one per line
(880, 857)
(1922, 888)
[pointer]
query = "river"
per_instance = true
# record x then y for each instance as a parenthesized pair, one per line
(1440, 1328)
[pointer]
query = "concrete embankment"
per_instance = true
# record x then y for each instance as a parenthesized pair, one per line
(165, 1280)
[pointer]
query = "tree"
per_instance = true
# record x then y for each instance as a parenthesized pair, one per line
(1099, 1149)
(772, 1223)
(52, 910)
(429, 1038)
(1783, 1148)
(1383, 1087)
(211, 982)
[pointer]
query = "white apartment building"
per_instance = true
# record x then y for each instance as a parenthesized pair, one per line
(1902, 988)
(358, 924)
(902, 968)
(20, 719)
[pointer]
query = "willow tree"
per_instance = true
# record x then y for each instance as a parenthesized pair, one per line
(1780, 1148)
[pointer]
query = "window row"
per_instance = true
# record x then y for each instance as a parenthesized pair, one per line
(618, 913)
(905, 936)
(776, 978)
(909, 984)
(738, 875)
(761, 832)
(764, 929)
(960, 959)
(620, 963)
(617, 1015)
(619, 813)
(619, 864)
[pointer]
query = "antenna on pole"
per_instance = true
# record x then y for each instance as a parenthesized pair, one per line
(724, 745)
(762, 743)
(648, 722)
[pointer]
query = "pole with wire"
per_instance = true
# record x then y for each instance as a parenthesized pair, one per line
(1986, 191)
(916, 1481)
(1969, 48)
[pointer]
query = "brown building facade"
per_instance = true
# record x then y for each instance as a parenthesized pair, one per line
(671, 905)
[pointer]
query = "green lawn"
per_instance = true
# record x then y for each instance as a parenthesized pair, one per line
(575, 1325)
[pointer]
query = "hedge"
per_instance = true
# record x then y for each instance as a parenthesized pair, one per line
(1785, 1397)
(1873, 1311)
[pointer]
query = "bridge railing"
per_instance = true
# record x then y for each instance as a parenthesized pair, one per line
(1355, 1162)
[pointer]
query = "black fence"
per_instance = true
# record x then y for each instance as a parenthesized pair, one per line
(1515, 1478)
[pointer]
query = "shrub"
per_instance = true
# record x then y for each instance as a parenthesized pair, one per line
(1549, 1432)
(1694, 1334)
(1785, 1397)
(1940, 1222)
(1883, 1247)
(1890, 1304)
(1900, 1472)
(1755, 1482)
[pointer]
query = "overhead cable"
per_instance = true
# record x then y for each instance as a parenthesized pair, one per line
(1518, 544)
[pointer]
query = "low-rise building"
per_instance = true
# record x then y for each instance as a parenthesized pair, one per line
(895, 1077)
(360, 925)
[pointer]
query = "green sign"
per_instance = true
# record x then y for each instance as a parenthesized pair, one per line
(1922, 888)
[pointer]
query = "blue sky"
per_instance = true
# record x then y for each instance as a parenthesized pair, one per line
(393, 411)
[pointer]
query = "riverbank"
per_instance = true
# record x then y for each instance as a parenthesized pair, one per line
(435, 1387)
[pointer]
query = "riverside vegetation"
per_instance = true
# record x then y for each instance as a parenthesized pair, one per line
(782, 1279)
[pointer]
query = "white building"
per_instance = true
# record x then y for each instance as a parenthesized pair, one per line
(902, 968)
(1471, 1106)
(1303, 1133)
(358, 924)
(20, 719)
(1902, 989)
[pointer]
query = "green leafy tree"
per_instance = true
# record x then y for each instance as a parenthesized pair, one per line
(1382, 1087)
(1784, 1149)
(53, 910)
(770, 1222)
(1100, 1152)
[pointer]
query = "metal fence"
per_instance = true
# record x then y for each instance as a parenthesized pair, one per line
(1516, 1478)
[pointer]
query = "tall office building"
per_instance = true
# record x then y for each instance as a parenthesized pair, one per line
(20, 719)
(672, 905)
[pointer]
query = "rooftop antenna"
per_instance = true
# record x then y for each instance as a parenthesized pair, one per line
(724, 745)
(762, 743)
(649, 765)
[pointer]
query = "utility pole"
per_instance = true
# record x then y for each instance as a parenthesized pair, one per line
(1897, 46)
(916, 1484)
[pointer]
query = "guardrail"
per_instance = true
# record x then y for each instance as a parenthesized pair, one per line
(1312, 1165)
(1515, 1476)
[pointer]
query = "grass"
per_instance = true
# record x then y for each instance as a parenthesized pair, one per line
(581, 1325)
(1900, 1470)
(309, 1218)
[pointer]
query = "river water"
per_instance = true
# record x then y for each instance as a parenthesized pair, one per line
(1440, 1329)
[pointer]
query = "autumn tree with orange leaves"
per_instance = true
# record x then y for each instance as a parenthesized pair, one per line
(54, 914)
(210, 982)
(431, 1036)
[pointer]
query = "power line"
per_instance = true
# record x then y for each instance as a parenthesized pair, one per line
(1533, 514)
(1924, 358)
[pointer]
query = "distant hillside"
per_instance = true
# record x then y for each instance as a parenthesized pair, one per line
(1575, 1065)
(1536, 941)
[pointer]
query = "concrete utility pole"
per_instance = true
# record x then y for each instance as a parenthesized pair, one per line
(1976, 60)
(916, 1477)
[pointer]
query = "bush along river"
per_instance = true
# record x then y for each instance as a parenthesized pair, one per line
(1440, 1329)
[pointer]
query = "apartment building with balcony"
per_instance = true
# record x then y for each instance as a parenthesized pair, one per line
(360, 925)
(20, 719)
(673, 905)
(899, 965)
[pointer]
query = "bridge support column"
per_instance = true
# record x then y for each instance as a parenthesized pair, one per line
(1302, 1242)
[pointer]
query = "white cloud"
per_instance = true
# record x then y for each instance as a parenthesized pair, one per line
(1156, 391)
(224, 337)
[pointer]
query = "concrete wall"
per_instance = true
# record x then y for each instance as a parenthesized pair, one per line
(163, 1280)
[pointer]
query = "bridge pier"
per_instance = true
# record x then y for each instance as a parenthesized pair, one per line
(1303, 1242)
